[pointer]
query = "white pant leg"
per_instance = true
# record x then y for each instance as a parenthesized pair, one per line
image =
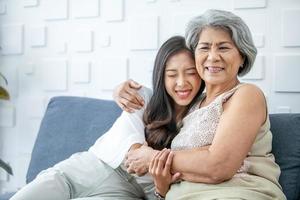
(70, 178)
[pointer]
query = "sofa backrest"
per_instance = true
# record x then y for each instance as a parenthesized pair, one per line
(286, 148)
(70, 124)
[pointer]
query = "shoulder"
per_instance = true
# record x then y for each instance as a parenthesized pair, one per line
(146, 94)
(249, 92)
(249, 98)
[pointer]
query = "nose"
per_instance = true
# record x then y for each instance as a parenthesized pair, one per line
(213, 55)
(180, 80)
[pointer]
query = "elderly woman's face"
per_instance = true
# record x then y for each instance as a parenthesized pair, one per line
(217, 58)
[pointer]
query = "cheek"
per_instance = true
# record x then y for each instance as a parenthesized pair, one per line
(168, 85)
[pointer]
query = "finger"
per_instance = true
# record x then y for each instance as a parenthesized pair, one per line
(154, 163)
(134, 84)
(130, 101)
(133, 90)
(130, 104)
(175, 177)
(169, 162)
(130, 170)
(162, 159)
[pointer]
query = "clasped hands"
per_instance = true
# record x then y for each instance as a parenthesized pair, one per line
(158, 163)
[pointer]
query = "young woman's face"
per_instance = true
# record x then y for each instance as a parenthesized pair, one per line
(182, 81)
(217, 58)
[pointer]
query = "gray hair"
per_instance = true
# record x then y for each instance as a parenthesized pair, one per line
(232, 24)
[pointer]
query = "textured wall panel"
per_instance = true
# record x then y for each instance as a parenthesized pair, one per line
(29, 68)
(81, 70)
(2, 8)
(246, 4)
(11, 39)
(35, 107)
(7, 115)
(56, 9)
(138, 66)
(259, 40)
(283, 109)
(61, 47)
(104, 41)
(290, 28)
(179, 22)
(90, 8)
(287, 71)
(112, 71)
(54, 75)
(113, 10)
(30, 3)
(258, 70)
(143, 33)
(83, 41)
(37, 36)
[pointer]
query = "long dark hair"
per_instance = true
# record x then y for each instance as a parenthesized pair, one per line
(159, 116)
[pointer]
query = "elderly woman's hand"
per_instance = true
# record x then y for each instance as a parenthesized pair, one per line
(127, 97)
(137, 160)
(160, 169)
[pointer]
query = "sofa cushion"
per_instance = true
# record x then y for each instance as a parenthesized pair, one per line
(286, 148)
(70, 124)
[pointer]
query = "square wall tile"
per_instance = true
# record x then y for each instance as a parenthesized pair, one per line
(2, 8)
(55, 9)
(143, 33)
(12, 39)
(7, 114)
(37, 36)
(286, 76)
(259, 40)
(140, 70)
(112, 71)
(258, 70)
(81, 71)
(90, 8)
(54, 75)
(283, 109)
(82, 41)
(30, 3)
(290, 28)
(113, 10)
(247, 4)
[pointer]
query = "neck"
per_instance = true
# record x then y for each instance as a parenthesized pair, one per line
(179, 110)
(212, 91)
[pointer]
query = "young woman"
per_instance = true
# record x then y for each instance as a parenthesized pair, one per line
(99, 173)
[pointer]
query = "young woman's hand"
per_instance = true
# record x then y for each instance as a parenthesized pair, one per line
(137, 160)
(127, 97)
(160, 169)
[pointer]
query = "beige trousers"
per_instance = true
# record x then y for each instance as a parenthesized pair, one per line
(84, 177)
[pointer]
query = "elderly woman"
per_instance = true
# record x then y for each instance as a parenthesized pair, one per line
(231, 118)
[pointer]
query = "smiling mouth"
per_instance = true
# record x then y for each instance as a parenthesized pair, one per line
(182, 94)
(214, 69)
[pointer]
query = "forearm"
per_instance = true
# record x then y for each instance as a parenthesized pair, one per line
(198, 165)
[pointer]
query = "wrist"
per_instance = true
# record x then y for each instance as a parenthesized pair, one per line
(135, 146)
(158, 195)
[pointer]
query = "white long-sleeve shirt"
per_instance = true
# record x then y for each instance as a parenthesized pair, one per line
(127, 130)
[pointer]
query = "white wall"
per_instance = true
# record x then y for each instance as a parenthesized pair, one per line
(86, 47)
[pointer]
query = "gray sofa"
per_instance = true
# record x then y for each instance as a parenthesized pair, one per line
(72, 124)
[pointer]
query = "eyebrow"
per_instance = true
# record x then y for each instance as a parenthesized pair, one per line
(219, 43)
